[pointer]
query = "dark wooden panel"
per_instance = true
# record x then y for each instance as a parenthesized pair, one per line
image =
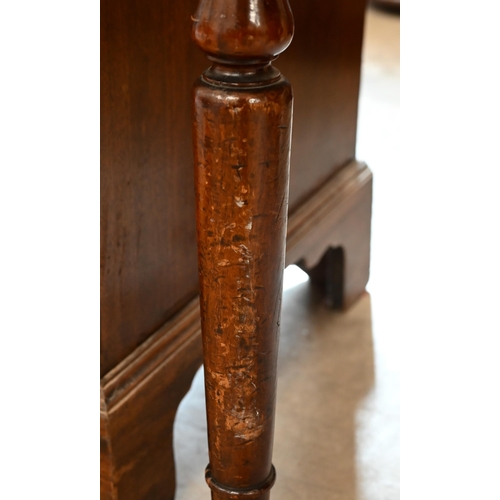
(323, 66)
(149, 267)
(140, 400)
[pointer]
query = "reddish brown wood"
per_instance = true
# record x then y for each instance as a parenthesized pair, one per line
(148, 64)
(139, 400)
(242, 134)
(140, 396)
(246, 31)
(108, 489)
(148, 259)
(148, 231)
(323, 64)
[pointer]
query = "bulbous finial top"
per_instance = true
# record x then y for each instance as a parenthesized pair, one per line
(243, 31)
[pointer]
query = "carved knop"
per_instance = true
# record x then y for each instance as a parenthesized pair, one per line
(243, 31)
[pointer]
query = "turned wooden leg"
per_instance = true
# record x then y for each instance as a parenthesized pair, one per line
(242, 132)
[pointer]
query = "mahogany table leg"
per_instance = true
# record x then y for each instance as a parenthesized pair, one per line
(242, 132)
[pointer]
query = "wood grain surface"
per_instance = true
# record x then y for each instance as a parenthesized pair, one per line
(148, 64)
(148, 230)
(323, 65)
(242, 137)
(149, 278)
(143, 388)
(139, 400)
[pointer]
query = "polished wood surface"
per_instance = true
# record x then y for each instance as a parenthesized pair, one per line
(150, 377)
(323, 65)
(148, 64)
(148, 232)
(244, 31)
(242, 136)
(149, 278)
(139, 400)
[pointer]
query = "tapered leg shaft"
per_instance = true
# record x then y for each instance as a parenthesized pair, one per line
(242, 146)
(242, 132)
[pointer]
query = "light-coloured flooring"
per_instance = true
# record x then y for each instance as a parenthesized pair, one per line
(337, 425)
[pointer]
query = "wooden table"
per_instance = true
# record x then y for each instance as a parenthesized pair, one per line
(241, 114)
